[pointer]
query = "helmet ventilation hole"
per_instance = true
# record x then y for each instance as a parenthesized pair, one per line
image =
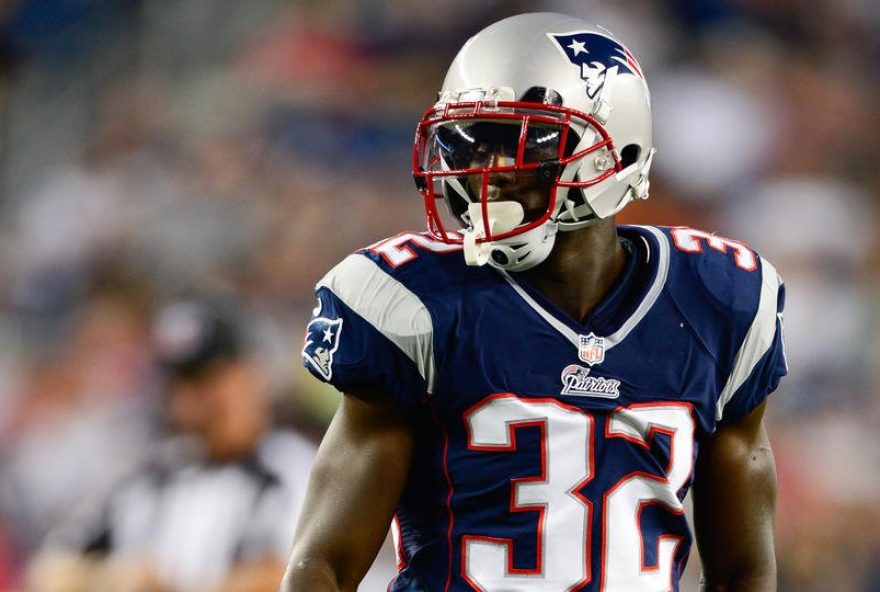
(629, 155)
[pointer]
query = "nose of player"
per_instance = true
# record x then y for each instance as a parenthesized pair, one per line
(522, 186)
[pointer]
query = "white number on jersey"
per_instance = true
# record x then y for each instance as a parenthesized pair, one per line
(622, 569)
(689, 241)
(565, 516)
(396, 250)
(563, 537)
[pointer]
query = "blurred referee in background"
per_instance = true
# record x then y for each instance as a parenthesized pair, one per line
(213, 506)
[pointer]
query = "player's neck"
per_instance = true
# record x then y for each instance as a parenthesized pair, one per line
(582, 268)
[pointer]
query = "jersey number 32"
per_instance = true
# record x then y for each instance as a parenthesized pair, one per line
(565, 516)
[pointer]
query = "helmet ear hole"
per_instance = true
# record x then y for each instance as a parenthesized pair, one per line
(629, 154)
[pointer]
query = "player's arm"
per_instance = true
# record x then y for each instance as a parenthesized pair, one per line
(734, 508)
(359, 474)
(254, 575)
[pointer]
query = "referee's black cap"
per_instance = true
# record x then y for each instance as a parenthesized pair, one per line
(189, 336)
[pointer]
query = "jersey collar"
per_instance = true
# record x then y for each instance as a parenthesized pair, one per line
(612, 318)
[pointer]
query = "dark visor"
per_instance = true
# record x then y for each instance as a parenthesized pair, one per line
(475, 145)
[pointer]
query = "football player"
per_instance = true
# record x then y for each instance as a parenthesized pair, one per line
(530, 389)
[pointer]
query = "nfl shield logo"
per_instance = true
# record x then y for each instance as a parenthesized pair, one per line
(591, 349)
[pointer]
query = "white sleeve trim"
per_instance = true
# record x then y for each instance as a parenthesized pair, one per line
(758, 339)
(389, 306)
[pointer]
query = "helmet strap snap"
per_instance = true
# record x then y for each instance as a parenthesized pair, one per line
(503, 216)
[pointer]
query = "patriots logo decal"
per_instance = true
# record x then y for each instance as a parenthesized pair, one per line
(596, 55)
(322, 341)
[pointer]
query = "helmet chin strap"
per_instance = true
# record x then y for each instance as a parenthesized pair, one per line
(516, 253)
(503, 216)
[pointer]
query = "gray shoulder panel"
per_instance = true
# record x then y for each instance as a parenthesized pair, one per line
(389, 306)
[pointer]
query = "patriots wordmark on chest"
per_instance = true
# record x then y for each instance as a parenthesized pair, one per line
(576, 380)
(591, 349)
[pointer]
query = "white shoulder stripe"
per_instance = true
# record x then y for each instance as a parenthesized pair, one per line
(389, 306)
(758, 339)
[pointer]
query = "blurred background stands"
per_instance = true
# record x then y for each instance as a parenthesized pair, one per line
(150, 149)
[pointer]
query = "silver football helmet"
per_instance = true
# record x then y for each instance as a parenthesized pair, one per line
(543, 124)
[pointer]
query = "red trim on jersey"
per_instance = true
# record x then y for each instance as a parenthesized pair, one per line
(448, 498)
(399, 550)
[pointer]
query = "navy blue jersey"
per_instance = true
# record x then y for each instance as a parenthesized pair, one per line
(551, 454)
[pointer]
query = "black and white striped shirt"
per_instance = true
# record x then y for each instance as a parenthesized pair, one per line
(194, 520)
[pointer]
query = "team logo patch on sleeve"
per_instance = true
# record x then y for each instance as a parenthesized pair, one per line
(322, 341)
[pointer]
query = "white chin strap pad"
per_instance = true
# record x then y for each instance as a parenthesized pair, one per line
(503, 217)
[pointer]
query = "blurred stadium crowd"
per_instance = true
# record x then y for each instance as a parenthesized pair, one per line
(155, 149)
